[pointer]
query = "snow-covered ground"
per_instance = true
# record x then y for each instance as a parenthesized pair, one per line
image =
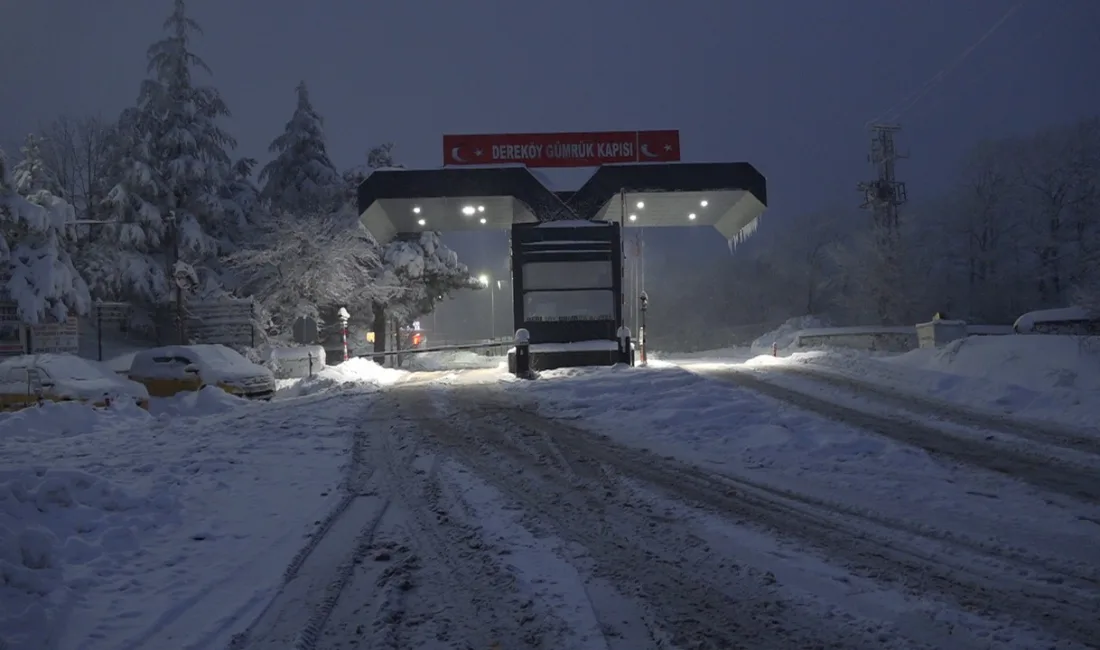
(121, 528)
(674, 412)
(607, 508)
(1041, 377)
(353, 372)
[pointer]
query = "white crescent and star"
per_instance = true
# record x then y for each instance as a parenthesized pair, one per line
(456, 154)
(649, 154)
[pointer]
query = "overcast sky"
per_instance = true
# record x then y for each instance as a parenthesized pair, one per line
(784, 84)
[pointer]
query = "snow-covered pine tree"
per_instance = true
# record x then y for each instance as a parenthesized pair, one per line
(36, 272)
(169, 193)
(378, 157)
(241, 200)
(426, 271)
(302, 179)
(32, 174)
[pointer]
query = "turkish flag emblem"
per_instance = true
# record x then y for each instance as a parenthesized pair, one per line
(658, 146)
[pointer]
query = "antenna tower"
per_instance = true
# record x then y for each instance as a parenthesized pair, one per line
(883, 196)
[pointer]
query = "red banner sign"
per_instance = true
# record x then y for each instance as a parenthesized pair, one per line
(562, 149)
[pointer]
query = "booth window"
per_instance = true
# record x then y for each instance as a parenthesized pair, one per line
(543, 276)
(568, 291)
(592, 305)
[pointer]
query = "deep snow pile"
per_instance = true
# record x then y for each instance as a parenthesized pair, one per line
(784, 336)
(121, 528)
(354, 373)
(1037, 363)
(1045, 377)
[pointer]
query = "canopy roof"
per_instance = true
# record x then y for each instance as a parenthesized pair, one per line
(728, 196)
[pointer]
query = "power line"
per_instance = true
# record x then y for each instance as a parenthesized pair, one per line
(911, 100)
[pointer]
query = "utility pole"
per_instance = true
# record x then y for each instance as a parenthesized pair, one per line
(883, 196)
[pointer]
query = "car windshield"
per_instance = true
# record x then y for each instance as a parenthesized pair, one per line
(217, 356)
(70, 368)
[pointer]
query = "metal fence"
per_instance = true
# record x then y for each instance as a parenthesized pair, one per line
(113, 326)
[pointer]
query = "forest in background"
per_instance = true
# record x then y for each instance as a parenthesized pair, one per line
(1017, 231)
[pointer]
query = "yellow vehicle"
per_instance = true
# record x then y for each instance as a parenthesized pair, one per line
(36, 378)
(172, 369)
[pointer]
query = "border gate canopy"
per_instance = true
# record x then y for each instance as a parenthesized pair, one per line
(639, 166)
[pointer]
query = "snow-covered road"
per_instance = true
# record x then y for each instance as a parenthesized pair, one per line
(673, 508)
(1045, 455)
(477, 521)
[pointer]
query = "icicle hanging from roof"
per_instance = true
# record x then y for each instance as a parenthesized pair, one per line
(743, 234)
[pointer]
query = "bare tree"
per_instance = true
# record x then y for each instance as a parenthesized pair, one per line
(297, 266)
(78, 150)
(1050, 168)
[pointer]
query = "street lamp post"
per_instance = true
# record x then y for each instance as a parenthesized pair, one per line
(485, 282)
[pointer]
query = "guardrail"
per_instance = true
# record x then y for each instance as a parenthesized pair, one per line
(483, 345)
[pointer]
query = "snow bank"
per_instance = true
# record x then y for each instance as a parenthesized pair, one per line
(122, 529)
(786, 334)
(1039, 364)
(58, 528)
(209, 400)
(357, 372)
(65, 418)
(1045, 377)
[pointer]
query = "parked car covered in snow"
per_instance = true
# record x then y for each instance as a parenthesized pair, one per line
(173, 369)
(29, 379)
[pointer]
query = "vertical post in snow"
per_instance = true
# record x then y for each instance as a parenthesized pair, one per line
(622, 255)
(99, 328)
(643, 298)
(523, 354)
(344, 317)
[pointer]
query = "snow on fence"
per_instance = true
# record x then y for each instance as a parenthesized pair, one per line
(891, 339)
(878, 339)
(120, 326)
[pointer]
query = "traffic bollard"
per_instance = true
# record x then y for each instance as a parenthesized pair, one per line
(523, 353)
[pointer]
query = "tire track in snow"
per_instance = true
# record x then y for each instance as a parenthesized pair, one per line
(721, 608)
(476, 599)
(1044, 433)
(1069, 602)
(364, 506)
(1038, 470)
